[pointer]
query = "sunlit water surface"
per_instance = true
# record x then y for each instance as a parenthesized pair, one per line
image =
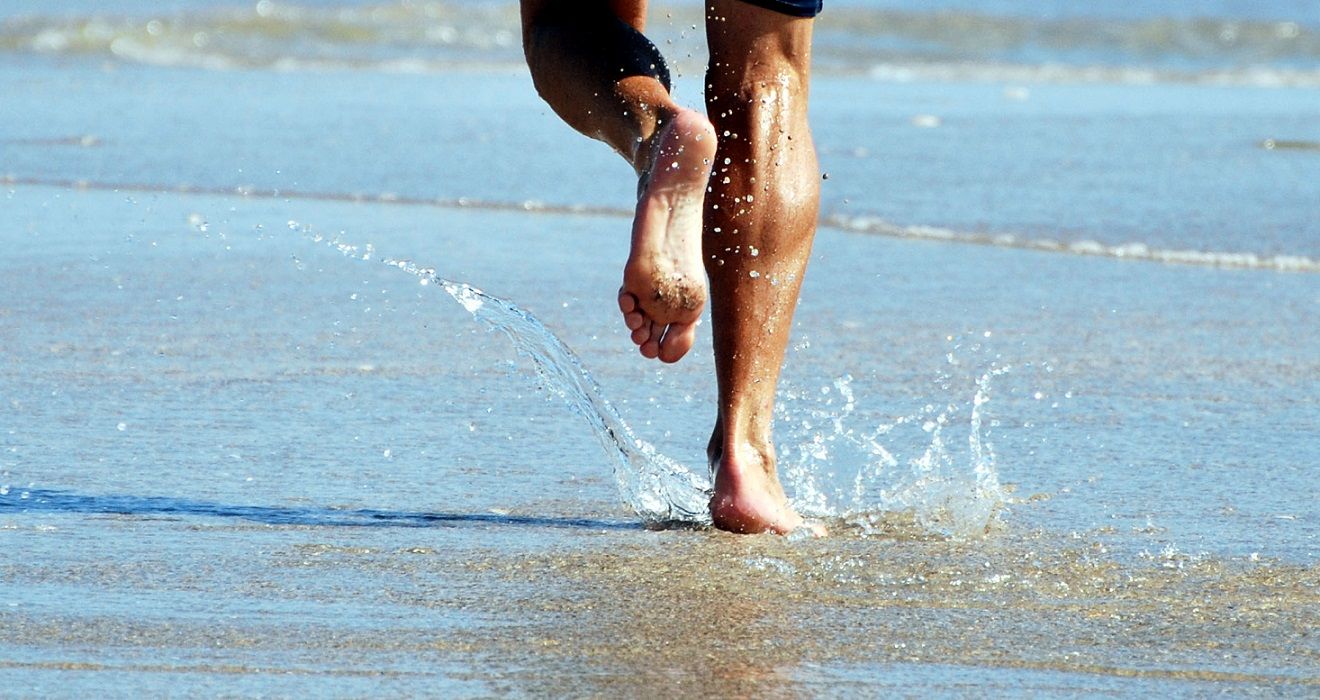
(1053, 382)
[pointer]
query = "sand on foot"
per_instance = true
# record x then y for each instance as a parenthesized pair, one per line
(664, 283)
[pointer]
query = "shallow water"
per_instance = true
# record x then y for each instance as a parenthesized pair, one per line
(236, 460)
(1164, 172)
(321, 446)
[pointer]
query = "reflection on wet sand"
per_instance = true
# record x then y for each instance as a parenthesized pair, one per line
(741, 617)
(698, 622)
(597, 612)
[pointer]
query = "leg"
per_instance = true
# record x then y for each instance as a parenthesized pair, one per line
(760, 220)
(590, 62)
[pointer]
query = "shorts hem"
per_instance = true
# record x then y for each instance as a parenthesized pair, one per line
(794, 8)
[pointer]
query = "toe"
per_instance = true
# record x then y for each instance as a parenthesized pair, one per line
(650, 348)
(677, 341)
(627, 302)
(641, 334)
(633, 320)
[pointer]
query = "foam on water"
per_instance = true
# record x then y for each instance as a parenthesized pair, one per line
(947, 489)
(1127, 251)
(872, 225)
(1277, 48)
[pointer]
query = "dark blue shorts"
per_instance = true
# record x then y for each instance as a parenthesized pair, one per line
(796, 8)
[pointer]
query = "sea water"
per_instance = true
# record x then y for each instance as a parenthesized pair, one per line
(946, 490)
(1052, 380)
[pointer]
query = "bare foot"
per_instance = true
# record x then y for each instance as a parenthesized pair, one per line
(664, 283)
(748, 497)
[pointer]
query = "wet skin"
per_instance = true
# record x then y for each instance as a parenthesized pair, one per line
(734, 192)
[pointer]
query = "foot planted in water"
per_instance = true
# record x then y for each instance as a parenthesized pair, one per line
(748, 497)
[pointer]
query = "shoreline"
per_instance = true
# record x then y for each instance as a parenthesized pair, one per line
(1138, 252)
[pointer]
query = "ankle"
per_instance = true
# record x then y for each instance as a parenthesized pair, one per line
(742, 462)
(647, 141)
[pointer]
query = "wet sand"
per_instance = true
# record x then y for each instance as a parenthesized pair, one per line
(359, 611)
(229, 476)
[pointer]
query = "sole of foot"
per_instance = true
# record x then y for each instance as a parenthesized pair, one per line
(664, 282)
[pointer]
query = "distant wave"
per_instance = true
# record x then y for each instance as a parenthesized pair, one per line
(1057, 73)
(532, 206)
(883, 43)
(855, 224)
(1125, 251)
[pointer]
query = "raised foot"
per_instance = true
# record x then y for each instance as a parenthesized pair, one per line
(748, 499)
(664, 283)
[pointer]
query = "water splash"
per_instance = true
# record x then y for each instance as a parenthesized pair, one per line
(656, 487)
(948, 489)
(936, 464)
(863, 476)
